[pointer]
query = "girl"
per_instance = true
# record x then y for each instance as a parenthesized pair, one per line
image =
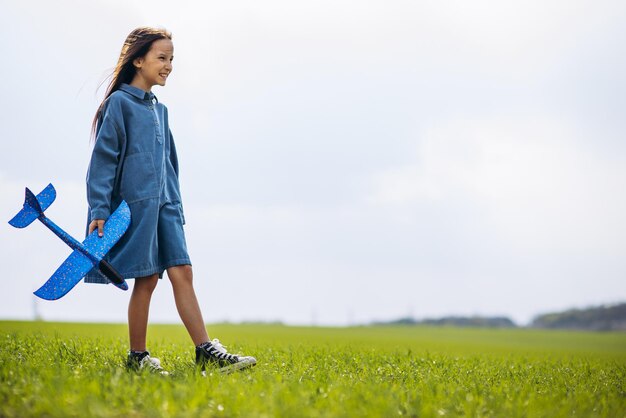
(134, 159)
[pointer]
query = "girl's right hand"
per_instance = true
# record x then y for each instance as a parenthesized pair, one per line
(97, 223)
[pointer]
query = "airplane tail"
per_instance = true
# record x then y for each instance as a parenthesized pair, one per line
(34, 206)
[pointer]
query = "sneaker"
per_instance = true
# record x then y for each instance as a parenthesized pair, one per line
(215, 353)
(143, 361)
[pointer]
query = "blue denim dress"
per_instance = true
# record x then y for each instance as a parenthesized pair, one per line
(134, 159)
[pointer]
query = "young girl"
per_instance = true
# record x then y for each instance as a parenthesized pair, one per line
(134, 159)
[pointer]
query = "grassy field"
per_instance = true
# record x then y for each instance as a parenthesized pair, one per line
(77, 370)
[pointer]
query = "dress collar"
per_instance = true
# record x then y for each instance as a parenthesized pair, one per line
(137, 92)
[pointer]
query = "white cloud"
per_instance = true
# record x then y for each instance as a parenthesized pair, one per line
(535, 179)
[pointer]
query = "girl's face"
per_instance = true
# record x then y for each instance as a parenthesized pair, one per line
(155, 66)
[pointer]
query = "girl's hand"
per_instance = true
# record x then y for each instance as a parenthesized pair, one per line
(97, 223)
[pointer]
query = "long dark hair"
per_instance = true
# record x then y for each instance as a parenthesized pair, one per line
(136, 45)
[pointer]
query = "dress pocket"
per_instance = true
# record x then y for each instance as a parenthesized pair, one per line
(139, 178)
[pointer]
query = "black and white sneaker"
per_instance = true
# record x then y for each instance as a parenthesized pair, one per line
(215, 353)
(142, 361)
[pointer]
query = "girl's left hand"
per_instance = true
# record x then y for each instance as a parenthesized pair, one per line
(97, 223)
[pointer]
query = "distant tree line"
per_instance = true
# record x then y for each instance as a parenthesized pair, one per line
(456, 321)
(599, 318)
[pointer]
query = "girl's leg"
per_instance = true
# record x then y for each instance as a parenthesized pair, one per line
(206, 351)
(187, 303)
(138, 309)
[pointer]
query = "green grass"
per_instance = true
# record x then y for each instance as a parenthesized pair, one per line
(77, 370)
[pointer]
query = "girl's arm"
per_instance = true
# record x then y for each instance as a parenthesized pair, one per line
(103, 168)
(173, 155)
(174, 160)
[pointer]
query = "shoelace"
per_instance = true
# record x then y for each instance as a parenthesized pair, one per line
(221, 351)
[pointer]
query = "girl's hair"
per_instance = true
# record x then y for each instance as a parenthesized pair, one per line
(136, 45)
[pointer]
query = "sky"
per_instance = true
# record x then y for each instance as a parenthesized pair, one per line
(342, 162)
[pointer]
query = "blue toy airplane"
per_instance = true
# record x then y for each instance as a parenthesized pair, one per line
(86, 255)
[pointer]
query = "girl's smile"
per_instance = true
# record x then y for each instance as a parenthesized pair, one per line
(154, 68)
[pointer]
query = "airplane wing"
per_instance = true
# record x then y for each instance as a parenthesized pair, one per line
(65, 278)
(114, 228)
(77, 265)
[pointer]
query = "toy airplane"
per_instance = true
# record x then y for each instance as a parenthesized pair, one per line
(86, 255)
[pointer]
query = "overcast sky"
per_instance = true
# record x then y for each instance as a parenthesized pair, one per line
(341, 161)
